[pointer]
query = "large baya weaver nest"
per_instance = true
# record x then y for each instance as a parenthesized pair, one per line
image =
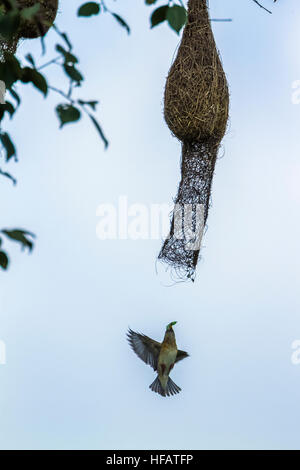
(33, 28)
(42, 21)
(196, 110)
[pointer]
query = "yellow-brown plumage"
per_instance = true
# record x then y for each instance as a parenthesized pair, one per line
(161, 356)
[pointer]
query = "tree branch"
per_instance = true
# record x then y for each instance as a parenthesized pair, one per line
(261, 6)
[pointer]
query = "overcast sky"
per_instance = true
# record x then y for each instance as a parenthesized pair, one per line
(70, 380)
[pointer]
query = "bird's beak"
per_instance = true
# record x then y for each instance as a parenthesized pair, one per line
(169, 326)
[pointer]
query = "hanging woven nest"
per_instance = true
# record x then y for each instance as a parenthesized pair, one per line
(39, 24)
(42, 21)
(36, 27)
(196, 106)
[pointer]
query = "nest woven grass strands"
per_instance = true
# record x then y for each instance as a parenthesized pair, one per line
(28, 29)
(181, 248)
(196, 106)
(9, 46)
(43, 21)
(31, 28)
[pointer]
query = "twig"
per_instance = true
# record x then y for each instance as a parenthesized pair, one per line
(261, 6)
(105, 9)
(53, 61)
(9, 176)
(221, 19)
(60, 92)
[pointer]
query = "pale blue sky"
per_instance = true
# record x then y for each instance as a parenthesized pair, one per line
(71, 381)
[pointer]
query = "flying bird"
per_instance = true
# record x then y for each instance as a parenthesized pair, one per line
(160, 356)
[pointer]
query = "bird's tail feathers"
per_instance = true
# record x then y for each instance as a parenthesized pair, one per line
(171, 388)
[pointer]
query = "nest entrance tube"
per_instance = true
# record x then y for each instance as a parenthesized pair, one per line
(196, 106)
(181, 249)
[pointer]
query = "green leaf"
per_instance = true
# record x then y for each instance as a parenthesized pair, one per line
(67, 113)
(30, 60)
(176, 16)
(100, 131)
(4, 261)
(159, 15)
(73, 73)
(121, 22)
(89, 9)
(8, 145)
(69, 58)
(150, 2)
(92, 104)
(9, 24)
(7, 107)
(10, 70)
(43, 44)
(36, 78)
(15, 95)
(20, 236)
(64, 36)
(9, 176)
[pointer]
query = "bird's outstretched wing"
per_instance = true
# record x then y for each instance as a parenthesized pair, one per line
(181, 355)
(146, 348)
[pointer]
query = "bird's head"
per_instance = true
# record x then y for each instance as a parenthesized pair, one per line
(170, 325)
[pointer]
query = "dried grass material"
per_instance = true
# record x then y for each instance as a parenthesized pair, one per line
(30, 29)
(181, 248)
(196, 110)
(8, 46)
(43, 21)
(196, 95)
